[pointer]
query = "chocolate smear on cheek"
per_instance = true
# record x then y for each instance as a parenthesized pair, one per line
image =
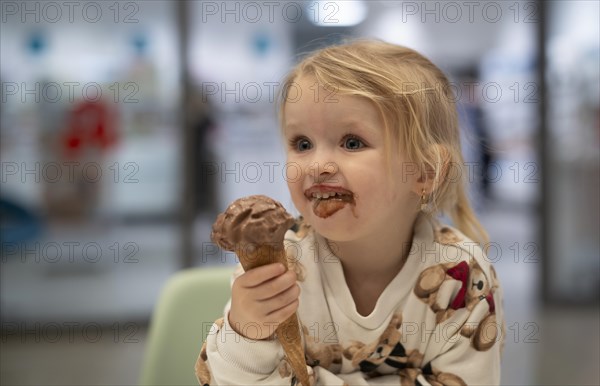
(327, 207)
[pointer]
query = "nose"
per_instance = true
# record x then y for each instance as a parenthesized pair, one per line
(322, 166)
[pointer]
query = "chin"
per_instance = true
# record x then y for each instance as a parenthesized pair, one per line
(338, 227)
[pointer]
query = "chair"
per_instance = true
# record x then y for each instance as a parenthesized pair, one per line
(188, 305)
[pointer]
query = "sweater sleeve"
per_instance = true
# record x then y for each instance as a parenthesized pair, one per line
(236, 360)
(471, 337)
(228, 358)
(461, 364)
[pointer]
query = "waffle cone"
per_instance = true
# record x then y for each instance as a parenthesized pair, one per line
(288, 332)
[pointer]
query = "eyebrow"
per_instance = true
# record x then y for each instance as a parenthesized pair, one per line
(358, 125)
(349, 124)
(290, 126)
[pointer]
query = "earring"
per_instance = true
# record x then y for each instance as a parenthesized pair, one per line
(424, 200)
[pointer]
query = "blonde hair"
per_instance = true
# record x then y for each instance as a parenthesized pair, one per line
(418, 109)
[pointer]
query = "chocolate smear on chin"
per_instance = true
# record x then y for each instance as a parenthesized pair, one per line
(325, 208)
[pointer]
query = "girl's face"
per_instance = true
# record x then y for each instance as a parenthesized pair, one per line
(337, 172)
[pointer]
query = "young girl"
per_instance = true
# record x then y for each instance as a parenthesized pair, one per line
(385, 294)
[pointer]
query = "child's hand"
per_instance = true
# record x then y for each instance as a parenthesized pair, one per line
(261, 299)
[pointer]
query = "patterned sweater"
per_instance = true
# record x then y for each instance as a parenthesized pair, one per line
(438, 322)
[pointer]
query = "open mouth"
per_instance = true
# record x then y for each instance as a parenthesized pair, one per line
(328, 200)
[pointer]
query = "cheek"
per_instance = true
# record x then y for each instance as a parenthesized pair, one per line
(292, 172)
(297, 193)
(401, 181)
(393, 194)
(293, 186)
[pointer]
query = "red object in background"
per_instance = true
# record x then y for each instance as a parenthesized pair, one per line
(90, 125)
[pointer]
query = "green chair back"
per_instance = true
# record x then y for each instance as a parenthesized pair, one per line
(188, 305)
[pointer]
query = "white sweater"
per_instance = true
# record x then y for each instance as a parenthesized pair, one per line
(439, 322)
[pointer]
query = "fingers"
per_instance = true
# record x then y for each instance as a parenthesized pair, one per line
(266, 294)
(259, 275)
(275, 286)
(281, 300)
(267, 281)
(282, 314)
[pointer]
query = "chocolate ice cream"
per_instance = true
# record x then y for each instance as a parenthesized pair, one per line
(254, 227)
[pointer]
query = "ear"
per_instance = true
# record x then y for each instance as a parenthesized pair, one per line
(440, 158)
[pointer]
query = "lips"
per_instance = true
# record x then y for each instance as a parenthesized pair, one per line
(327, 199)
(328, 191)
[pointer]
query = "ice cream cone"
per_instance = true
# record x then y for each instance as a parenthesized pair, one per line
(288, 332)
(253, 256)
(254, 228)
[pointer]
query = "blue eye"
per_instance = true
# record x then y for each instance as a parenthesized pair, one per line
(353, 143)
(302, 144)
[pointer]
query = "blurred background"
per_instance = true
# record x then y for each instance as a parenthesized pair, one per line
(126, 126)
